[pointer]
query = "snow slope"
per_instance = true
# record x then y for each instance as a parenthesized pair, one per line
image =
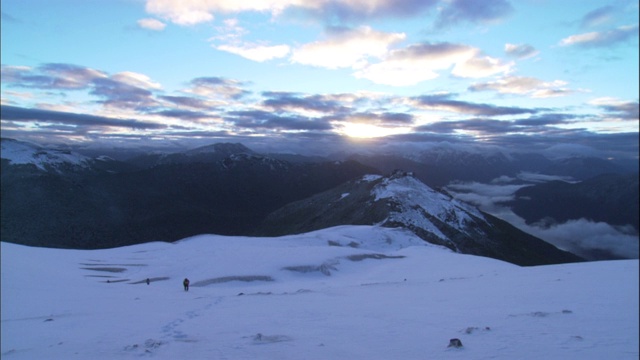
(350, 292)
(20, 152)
(415, 197)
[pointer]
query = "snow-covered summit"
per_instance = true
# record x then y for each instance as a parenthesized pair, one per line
(415, 197)
(20, 152)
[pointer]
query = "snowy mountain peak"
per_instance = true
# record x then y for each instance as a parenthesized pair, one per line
(20, 152)
(414, 199)
(400, 200)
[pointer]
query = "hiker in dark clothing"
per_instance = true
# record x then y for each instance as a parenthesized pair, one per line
(186, 284)
(148, 281)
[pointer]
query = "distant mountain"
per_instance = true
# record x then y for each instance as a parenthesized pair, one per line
(440, 166)
(205, 154)
(24, 153)
(35, 158)
(75, 202)
(57, 197)
(401, 200)
(610, 198)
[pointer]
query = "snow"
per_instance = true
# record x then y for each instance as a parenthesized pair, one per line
(371, 177)
(19, 152)
(415, 198)
(349, 292)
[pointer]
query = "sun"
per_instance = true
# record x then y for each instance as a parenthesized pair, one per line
(368, 131)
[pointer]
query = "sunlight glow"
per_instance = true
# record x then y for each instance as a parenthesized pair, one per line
(367, 131)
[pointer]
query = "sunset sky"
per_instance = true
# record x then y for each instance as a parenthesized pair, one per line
(309, 76)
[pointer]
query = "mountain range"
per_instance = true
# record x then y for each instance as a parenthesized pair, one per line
(61, 198)
(87, 203)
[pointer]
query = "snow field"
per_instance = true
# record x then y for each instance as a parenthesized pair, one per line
(407, 305)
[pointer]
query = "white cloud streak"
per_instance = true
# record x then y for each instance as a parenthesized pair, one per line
(601, 38)
(345, 48)
(256, 52)
(151, 24)
(421, 62)
(522, 85)
(192, 12)
(136, 79)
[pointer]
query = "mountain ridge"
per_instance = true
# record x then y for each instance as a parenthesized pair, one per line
(401, 200)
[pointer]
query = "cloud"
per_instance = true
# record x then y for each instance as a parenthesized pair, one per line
(231, 34)
(151, 24)
(346, 47)
(481, 126)
(120, 94)
(598, 39)
(522, 85)
(529, 133)
(541, 178)
(136, 80)
(183, 114)
(286, 111)
(443, 102)
(217, 104)
(581, 237)
(520, 51)
(421, 62)
(259, 119)
(486, 196)
(294, 102)
(19, 114)
(353, 11)
(473, 11)
(51, 76)
(597, 17)
(216, 88)
(382, 119)
(534, 126)
(546, 119)
(625, 110)
(189, 12)
(122, 90)
(257, 52)
(418, 61)
(128, 90)
(589, 239)
(69, 76)
(191, 102)
(192, 12)
(480, 66)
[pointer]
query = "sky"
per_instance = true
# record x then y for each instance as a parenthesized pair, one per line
(319, 75)
(311, 296)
